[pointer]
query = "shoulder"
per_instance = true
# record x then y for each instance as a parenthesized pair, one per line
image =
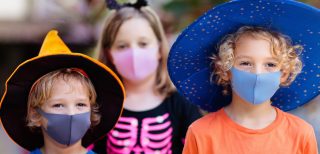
(175, 96)
(181, 106)
(297, 124)
(296, 121)
(36, 151)
(91, 152)
(206, 122)
(177, 101)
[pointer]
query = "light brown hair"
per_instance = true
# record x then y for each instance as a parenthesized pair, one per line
(41, 91)
(114, 20)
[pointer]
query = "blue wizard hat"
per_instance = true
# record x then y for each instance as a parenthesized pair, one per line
(189, 62)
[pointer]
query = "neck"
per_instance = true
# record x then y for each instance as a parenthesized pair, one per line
(250, 115)
(141, 96)
(52, 147)
(143, 87)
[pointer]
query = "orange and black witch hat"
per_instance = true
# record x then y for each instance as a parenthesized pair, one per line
(54, 55)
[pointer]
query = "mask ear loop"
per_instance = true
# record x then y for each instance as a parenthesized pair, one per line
(43, 114)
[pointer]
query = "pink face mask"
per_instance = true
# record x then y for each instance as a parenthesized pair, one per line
(136, 64)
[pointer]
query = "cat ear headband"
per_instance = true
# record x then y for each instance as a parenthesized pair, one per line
(137, 4)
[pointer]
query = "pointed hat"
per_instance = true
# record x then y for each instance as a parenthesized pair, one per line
(54, 55)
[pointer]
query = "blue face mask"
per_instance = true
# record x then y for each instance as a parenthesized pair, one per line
(66, 129)
(255, 88)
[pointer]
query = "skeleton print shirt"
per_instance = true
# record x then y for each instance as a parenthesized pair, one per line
(158, 131)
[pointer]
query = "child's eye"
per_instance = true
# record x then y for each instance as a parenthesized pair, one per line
(81, 105)
(121, 47)
(57, 105)
(143, 44)
(245, 63)
(271, 65)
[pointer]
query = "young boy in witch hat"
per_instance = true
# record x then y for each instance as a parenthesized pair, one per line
(60, 102)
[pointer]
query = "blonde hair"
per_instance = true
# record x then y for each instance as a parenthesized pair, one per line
(42, 88)
(281, 46)
(114, 20)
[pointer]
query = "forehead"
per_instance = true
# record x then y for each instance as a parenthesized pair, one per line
(250, 46)
(135, 27)
(259, 35)
(62, 89)
(68, 82)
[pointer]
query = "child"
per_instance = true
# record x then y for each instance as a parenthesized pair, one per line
(250, 64)
(155, 118)
(59, 101)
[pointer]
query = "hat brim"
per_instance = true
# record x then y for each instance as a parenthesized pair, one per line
(189, 62)
(110, 96)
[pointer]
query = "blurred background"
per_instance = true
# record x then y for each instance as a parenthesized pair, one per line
(24, 24)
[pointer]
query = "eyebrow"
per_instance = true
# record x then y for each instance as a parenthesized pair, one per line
(241, 56)
(62, 99)
(119, 42)
(268, 58)
(144, 37)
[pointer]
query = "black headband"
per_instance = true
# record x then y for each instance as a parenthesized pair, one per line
(113, 4)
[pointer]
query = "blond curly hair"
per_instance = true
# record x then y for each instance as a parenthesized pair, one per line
(281, 46)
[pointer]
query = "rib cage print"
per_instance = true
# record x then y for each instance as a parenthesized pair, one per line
(150, 135)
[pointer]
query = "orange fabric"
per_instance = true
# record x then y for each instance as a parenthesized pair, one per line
(53, 44)
(216, 133)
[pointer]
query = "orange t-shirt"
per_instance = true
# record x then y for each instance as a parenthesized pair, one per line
(216, 133)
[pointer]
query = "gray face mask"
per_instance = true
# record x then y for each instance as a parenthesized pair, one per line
(66, 129)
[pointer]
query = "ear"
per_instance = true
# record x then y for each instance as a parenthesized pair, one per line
(284, 77)
(226, 76)
(34, 117)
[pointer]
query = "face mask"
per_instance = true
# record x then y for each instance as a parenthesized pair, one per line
(66, 129)
(136, 64)
(255, 88)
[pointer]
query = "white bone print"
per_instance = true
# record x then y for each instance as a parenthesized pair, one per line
(155, 136)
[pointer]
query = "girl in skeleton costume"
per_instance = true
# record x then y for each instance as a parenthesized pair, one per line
(155, 117)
